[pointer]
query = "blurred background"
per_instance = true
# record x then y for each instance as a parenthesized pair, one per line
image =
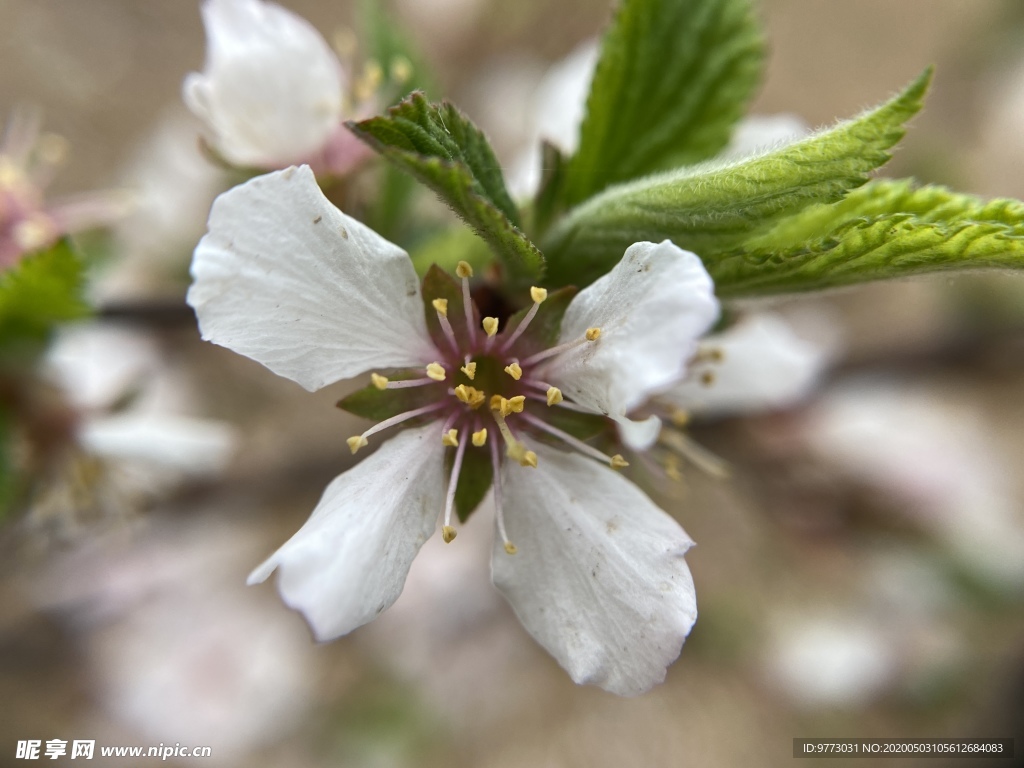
(860, 574)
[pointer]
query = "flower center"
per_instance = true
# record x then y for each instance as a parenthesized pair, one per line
(487, 391)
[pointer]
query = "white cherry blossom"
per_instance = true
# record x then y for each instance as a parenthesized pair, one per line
(287, 279)
(756, 365)
(272, 91)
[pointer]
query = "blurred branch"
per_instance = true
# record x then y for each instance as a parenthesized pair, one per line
(159, 314)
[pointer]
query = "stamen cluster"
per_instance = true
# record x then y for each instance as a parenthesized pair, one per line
(483, 383)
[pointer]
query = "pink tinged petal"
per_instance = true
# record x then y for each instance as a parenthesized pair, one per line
(764, 365)
(651, 309)
(272, 88)
(287, 279)
(599, 578)
(349, 562)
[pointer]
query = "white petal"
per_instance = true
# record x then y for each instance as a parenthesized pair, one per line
(764, 366)
(271, 91)
(348, 563)
(562, 96)
(759, 132)
(599, 579)
(651, 309)
(287, 279)
(555, 114)
(639, 435)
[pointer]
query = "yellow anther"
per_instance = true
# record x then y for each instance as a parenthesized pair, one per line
(436, 372)
(370, 81)
(471, 396)
(510, 548)
(380, 382)
(496, 401)
(514, 371)
(441, 305)
(10, 175)
(518, 451)
(680, 418)
(356, 442)
(451, 438)
(464, 269)
(672, 468)
(554, 396)
(490, 325)
(538, 294)
(617, 462)
(470, 370)
(479, 438)
(448, 534)
(707, 378)
(593, 334)
(512, 405)
(401, 70)
(345, 42)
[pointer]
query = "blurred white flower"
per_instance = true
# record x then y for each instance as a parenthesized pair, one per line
(172, 186)
(599, 567)
(834, 661)
(172, 644)
(133, 410)
(758, 364)
(936, 460)
(272, 92)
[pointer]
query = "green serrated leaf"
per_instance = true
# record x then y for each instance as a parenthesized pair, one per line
(673, 78)
(474, 480)
(872, 248)
(42, 290)
(712, 209)
(441, 147)
(887, 196)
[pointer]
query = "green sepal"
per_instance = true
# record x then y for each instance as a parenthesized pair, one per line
(712, 209)
(583, 426)
(673, 78)
(438, 284)
(543, 331)
(36, 294)
(475, 478)
(447, 247)
(379, 404)
(441, 147)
